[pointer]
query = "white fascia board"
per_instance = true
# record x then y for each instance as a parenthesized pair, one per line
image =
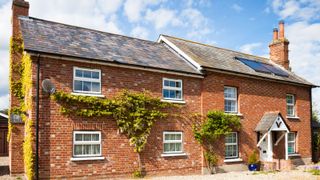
(179, 51)
(4, 115)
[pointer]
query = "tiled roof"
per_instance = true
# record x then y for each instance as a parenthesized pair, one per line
(266, 121)
(223, 59)
(61, 39)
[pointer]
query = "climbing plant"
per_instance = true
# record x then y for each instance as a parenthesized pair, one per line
(134, 112)
(21, 87)
(216, 125)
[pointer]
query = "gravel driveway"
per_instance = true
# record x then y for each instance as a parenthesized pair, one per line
(292, 175)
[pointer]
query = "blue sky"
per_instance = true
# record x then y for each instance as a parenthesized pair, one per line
(242, 25)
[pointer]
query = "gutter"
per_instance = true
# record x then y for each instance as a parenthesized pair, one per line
(113, 63)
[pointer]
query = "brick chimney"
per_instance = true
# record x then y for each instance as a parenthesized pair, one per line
(16, 164)
(279, 52)
(19, 8)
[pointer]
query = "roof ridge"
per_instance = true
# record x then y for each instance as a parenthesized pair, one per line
(195, 42)
(90, 29)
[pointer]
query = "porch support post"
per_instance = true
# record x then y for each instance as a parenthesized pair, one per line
(286, 144)
(270, 152)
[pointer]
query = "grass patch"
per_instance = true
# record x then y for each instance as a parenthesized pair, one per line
(315, 172)
(264, 172)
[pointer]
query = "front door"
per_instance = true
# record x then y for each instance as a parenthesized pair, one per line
(264, 150)
(3, 142)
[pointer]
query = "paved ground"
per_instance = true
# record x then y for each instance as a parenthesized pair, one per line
(299, 174)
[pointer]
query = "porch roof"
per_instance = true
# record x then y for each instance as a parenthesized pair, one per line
(267, 121)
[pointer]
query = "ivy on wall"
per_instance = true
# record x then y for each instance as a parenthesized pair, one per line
(216, 125)
(21, 88)
(134, 112)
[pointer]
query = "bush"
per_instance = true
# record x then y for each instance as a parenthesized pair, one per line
(137, 174)
(212, 160)
(253, 158)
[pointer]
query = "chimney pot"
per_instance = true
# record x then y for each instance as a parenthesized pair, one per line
(281, 29)
(275, 34)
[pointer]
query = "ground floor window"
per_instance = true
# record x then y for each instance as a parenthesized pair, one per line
(86, 143)
(231, 145)
(172, 142)
(291, 142)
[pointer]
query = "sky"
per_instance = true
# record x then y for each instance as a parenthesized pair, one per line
(241, 25)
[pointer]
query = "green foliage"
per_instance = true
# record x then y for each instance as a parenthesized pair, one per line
(253, 158)
(217, 124)
(21, 88)
(315, 172)
(316, 142)
(134, 112)
(137, 174)
(212, 160)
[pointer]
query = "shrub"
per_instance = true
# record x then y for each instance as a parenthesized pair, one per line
(253, 158)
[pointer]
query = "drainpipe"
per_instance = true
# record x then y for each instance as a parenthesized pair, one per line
(37, 117)
(312, 156)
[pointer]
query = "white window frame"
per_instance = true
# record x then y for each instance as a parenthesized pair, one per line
(75, 78)
(172, 141)
(172, 88)
(231, 99)
(294, 143)
(293, 104)
(237, 146)
(86, 143)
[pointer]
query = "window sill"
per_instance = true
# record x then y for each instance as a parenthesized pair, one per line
(92, 95)
(294, 155)
(173, 154)
(233, 160)
(234, 114)
(173, 101)
(86, 158)
(292, 117)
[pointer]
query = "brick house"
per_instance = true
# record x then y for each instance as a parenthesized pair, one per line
(273, 103)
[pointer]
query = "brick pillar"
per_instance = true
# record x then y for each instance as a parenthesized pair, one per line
(19, 8)
(279, 47)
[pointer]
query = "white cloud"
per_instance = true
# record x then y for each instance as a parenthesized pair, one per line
(295, 9)
(249, 48)
(305, 52)
(133, 9)
(140, 32)
(162, 18)
(237, 7)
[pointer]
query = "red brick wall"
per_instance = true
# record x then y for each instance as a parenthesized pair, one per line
(255, 97)
(56, 130)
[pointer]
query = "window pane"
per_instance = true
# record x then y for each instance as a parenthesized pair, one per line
(166, 83)
(178, 94)
(290, 110)
(166, 93)
(87, 149)
(95, 75)
(95, 137)
(178, 146)
(78, 85)
(229, 92)
(178, 137)
(79, 137)
(289, 99)
(87, 137)
(172, 94)
(291, 137)
(78, 73)
(87, 74)
(77, 149)
(166, 147)
(86, 86)
(229, 106)
(95, 87)
(290, 147)
(96, 149)
(172, 84)
(178, 84)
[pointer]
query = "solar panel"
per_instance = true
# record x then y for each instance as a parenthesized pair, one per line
(263, 67)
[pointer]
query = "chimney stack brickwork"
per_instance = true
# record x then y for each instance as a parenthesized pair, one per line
(16, 163)
(279, 47)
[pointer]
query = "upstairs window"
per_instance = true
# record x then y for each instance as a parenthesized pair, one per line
(86, 143)
(230, 100)
(231, 145)
(290, 105)
(172, 89)
(291, 143)
(172, 142)
(87, 81)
